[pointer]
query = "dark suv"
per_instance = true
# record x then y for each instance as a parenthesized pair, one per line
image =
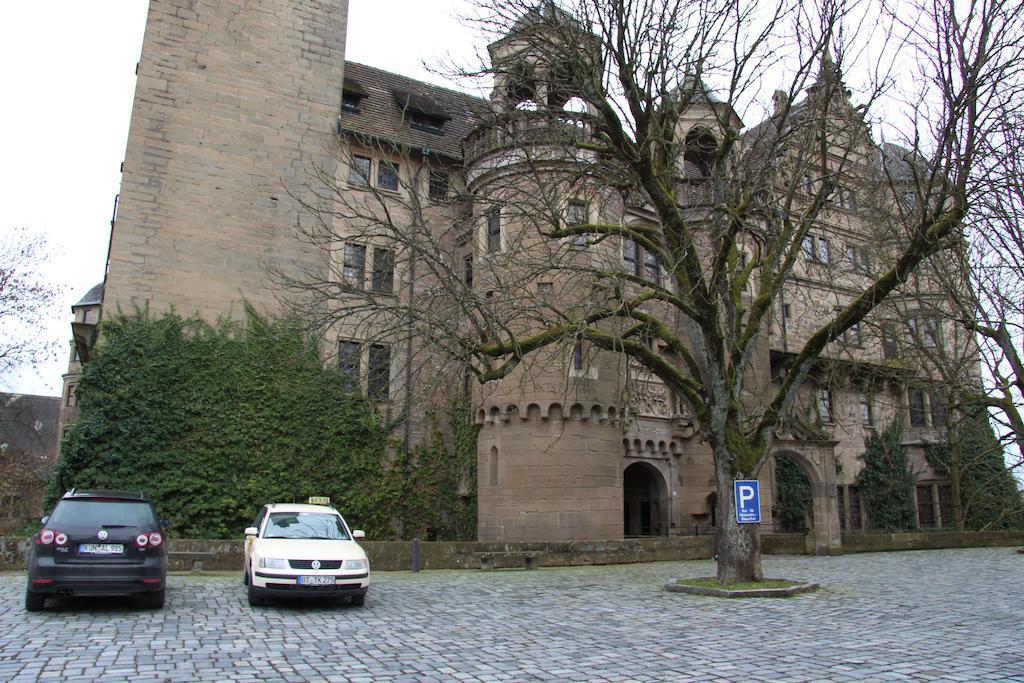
(98, 543)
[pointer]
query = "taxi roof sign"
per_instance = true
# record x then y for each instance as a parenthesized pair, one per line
(319, 500)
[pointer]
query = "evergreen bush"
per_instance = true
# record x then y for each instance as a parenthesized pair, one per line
(886, 482)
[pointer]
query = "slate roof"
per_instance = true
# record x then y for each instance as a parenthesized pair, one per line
(92, 297)
(387, 100)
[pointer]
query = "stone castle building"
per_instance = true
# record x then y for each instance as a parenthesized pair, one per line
(240, 103)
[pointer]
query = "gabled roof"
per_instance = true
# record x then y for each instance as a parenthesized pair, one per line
(386, 100)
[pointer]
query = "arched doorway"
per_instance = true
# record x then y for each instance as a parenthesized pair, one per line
(644, 503)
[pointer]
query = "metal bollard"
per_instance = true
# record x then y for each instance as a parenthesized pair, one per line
(415, 554)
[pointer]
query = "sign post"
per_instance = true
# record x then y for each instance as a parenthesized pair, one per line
(748, 501)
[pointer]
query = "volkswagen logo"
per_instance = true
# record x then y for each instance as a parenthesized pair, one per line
(315, 564)
(102, 535)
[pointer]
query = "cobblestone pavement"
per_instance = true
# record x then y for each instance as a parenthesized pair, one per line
(934, 615)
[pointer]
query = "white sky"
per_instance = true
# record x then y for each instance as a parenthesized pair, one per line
(68, 79)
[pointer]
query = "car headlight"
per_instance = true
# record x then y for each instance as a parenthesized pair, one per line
(355, 564)
(271, 563)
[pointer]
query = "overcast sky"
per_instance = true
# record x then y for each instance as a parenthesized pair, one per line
(68, 73)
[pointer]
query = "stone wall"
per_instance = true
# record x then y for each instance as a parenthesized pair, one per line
(236, 101)
(226, 555)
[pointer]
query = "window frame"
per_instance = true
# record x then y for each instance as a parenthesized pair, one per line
(387, 176)
(350, 371)
(349, 263)
(378, 372)
(382, 271)
(493, 230)
(355, 173)
(825, 406)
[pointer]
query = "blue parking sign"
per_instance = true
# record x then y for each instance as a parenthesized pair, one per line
(748, 502)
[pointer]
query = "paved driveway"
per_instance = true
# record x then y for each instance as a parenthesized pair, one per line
(932, 615)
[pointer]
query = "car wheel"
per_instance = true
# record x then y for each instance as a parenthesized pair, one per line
(156, 598)
(358, 600)
(256, 596)
(34, 601)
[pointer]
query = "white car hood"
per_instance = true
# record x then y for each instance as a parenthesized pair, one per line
(298, 549)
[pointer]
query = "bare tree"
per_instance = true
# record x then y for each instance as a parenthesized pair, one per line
(614, 169)
(27, 301)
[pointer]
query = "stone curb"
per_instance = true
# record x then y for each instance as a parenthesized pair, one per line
(748, 593)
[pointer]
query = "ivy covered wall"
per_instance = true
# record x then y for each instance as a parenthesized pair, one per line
(213, 421)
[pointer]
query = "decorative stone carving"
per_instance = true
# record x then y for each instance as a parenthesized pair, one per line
(652, 399)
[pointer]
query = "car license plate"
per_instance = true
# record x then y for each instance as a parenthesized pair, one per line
(100, 549)
(316, 580)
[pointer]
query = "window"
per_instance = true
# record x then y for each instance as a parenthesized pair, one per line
(378, 378)
(349, 355)
(816, 249)
(71, 400)
(354, 269)
(383, 271)
(359, 171)
(652, 269)
(427, 123)
(438, 185)
(930, 333)
(890, 343)
(825, 406)
(858, 260)
(785, 311)
(854, 496)
(350, 102)
(85, 315)
(576, 214)
(867, 417)
(387, 175)
(494, 231)
(467, 270)
(631, 257)
(937, 410)
(916, 405)
(852, 335)
(577, 356)
(846, 197)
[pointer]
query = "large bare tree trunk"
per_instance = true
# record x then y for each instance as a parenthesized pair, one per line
(739, 545)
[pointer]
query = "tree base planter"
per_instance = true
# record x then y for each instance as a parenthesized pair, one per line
(769, 588)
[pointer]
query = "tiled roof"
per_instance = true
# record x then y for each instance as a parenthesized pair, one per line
(386, 100)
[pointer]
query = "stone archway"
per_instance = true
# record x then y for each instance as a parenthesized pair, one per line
(818, 465)
(644, 501)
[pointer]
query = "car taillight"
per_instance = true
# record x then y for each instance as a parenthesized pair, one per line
(61, 538)
(155, 539)
(45, 537)
(141, 540)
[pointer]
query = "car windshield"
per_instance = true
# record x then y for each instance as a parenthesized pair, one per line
(103, 513)
(319, 525)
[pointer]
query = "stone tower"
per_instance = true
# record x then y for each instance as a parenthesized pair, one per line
(549, 452)
(236, 101)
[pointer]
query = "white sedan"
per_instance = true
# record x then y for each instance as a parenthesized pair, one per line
(304, 551)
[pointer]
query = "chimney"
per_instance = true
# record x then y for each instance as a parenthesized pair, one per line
(779, 101)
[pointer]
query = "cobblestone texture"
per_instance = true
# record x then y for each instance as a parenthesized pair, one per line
(951, 615)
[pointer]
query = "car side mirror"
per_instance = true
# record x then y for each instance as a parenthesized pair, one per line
(45, 519)
(358, 533)
(251, 531)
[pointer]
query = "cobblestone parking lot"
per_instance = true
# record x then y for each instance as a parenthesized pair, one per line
(930, 615)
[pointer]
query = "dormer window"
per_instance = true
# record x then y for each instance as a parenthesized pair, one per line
(422, 112)
(429, 124)
(352, 94)
(350, 102)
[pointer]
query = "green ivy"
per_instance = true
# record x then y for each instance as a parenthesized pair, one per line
(886, 483)
(794, 496)
(213, 421)
(985, 493)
